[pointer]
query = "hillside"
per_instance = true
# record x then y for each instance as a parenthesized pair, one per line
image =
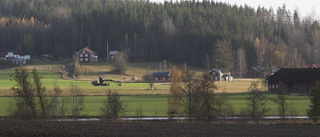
(203, 33)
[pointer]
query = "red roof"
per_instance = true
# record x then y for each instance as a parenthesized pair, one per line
(89, 50)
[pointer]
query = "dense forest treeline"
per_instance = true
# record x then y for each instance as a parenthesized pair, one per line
(207, 33)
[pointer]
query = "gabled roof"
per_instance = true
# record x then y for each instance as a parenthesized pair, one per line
(163, 73)
(113, 52)
(217, 70)
(311, 66)
(262, 69)
(9, 47)
(89, 50)
(292, 74)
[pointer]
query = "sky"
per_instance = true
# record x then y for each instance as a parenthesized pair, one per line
(305, 7)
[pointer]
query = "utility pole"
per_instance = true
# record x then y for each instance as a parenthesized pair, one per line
(107, 52)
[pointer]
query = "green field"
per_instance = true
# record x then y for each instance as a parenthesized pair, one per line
(156, 105)
(134, 95)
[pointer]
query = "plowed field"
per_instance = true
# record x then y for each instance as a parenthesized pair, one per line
(163, 129)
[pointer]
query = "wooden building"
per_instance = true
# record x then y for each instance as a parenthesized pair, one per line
(8, 51)
(294, 80)
(162, 76)
(87, 55)
(218, 75)
(112, 55)
(260, 72)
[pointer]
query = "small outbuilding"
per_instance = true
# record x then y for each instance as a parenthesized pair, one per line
(294, 80)
(112, 55)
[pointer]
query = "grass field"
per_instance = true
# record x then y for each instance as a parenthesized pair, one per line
(152, 102)
(156, 105)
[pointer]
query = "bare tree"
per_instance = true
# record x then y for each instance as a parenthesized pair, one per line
(40, 92)
(207, 88)
(241, 61)
(148, 77)
(76, 65)
(256, 101)
(77, 100)
(281, 101)
(29, 94)
(189, 87)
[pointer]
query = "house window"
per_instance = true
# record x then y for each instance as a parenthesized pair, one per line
(112, 57)
(86, 59)
(213, 73)
(81, 59)
(269, 86)
(276, 86)
(86, 55)
(216, 78)
(156, 78)
(164, 78)
(272, 86)
(83, 51)
(81, 55)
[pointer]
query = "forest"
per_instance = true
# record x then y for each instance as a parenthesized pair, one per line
(200, 33)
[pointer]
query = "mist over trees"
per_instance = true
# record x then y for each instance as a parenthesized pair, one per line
(182, 31)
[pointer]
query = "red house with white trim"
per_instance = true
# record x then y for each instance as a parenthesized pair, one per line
(87, 55)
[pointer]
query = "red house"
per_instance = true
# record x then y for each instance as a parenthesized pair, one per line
(294, 80)
(9, 51)
(161, 76)
(87, 55)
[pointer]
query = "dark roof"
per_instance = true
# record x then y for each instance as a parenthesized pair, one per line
(164, 73)
(217, 70)
(8, 47)
(291, 74)
(311, 66)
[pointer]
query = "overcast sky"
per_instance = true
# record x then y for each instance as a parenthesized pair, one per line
(305, 7)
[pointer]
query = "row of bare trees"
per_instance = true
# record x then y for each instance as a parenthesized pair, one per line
(33, 100)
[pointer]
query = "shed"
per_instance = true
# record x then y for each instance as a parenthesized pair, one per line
(112, 55)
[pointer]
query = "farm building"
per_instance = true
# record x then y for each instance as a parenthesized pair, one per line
(112, 55)
(259, 72)
(13, 53)
(294, 80)
(87, 55)
(162, 76)
(218, 75)
(311, 66)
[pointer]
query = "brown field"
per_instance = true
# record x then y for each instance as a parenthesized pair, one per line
(164, 129)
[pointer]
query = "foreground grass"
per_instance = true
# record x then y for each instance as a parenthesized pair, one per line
(156, 105)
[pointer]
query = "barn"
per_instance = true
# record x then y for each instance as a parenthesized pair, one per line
(87, 55)
(162, 76)
(294, 80)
